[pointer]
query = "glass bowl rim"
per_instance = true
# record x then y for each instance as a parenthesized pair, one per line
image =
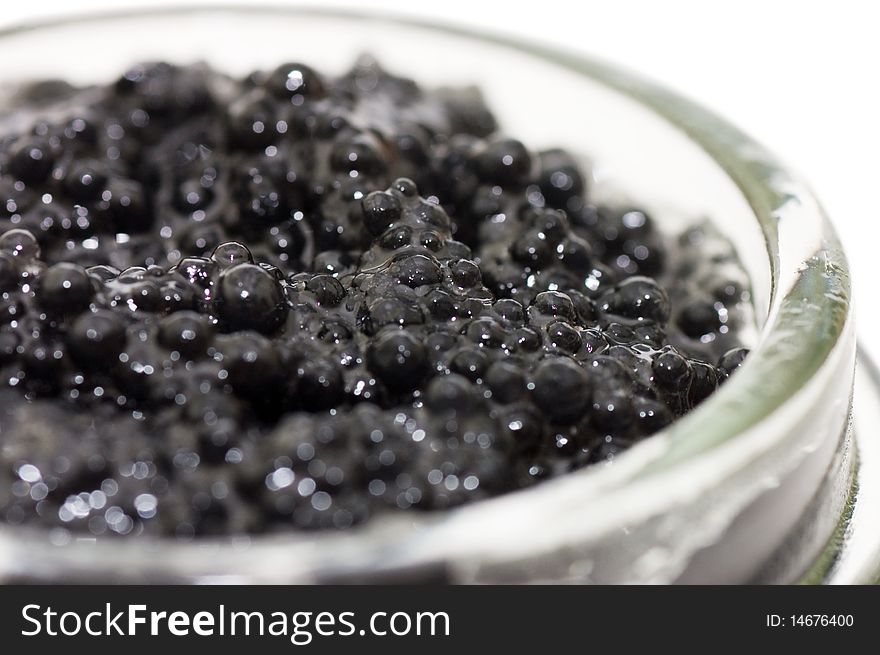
(807, 320)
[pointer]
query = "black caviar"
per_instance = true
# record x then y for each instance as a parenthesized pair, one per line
(295, 301)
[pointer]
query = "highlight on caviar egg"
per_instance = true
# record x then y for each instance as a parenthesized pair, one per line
(294, 301)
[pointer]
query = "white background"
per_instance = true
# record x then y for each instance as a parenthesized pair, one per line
(802, 77)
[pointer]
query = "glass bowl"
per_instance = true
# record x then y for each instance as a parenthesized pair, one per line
(755, 485)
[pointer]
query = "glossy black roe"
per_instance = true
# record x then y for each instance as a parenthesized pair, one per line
(65, 288)
(296, 301)
(250, 298)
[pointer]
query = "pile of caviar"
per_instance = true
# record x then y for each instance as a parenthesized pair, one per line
(295, 301)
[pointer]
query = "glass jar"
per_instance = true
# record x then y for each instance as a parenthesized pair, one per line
(758, 484)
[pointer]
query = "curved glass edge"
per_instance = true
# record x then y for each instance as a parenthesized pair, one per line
(852, 555)
(823, 565)
(816, 308)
